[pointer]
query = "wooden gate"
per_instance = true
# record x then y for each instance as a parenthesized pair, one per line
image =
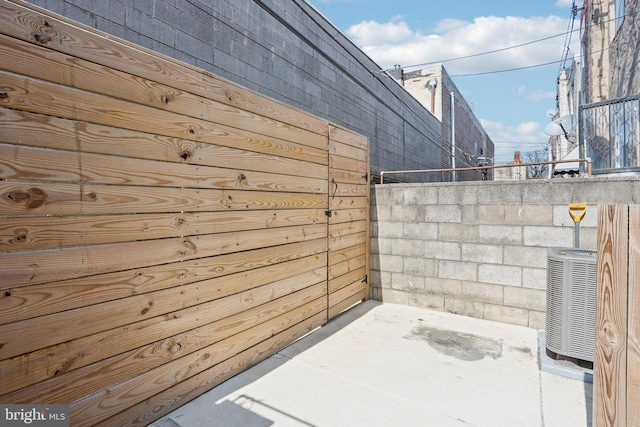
(161, 229)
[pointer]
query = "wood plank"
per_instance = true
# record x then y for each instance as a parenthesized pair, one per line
(36, 164)
(56, 360)
(72, 199)
(347, 215)
(346, 228)
(348, 190)
(90, 379)
(346, 136)
(104, 404)
(41, 97)
(346, 303)
(610, 397)
(349, 177)
(77, 40)
(341, 255)
(340, 243)
(36, 130)
(26, 302)
(345, 163)
(347, 266)
(21, 268)
(633, 340)
(45, 64)
(166, 401)
(340, 282)
(27, 233)
(336, 203)
(345, 150)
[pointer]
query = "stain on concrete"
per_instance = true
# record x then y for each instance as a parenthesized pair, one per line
(460, 345)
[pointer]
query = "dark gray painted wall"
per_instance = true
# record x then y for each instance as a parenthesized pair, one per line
(286, 50)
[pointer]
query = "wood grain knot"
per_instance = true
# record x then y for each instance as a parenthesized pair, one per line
(32, 198)
(242, 177)
(92, 196)
(42, 38)
(164, 99)
(3, 94)
(185, 154)
(7, 293)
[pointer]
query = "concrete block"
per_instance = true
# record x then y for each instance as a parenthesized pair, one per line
(457, 270)
(483, 292)
(407, 282)
(537, 319)
(530, 299)
(490, 254)
(381, 245)
(420, 266)
(381, 279)
(426, 301)
(464, 307)
(548, 236)
(391, 263)
(500, 274)
(490, 214)
(408, 213)
(442, 250)
(504, 193)
(388, 229)
(420, 195)
(444, 287)
(381, 213)
(394, 296)
(407, 247)
(444, 213)
(534, 278)
(500, 313)
(500, 234)
(420, 230)
(525, 256)
(470, 214)
(452, 232)
(528, 214)
(459, 195)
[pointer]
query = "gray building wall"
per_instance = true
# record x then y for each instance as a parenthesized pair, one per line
(480, 248)
(286, 50)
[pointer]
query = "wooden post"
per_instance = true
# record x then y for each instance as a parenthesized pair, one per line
(633, 341)
(617, 363)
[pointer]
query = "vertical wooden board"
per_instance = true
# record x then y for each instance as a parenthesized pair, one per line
(633, 341)
(610, 388)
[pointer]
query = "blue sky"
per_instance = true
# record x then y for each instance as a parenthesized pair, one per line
(512, 106)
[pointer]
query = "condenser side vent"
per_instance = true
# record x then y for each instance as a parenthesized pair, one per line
(571, 302)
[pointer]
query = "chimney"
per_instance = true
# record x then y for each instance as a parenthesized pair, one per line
(516, 157)
(397, 73)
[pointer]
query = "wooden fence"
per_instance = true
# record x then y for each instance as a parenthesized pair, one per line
(616, 396)
(161, 229)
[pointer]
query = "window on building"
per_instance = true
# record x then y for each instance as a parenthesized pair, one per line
(619, 13)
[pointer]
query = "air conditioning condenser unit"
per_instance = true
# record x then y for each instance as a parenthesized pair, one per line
(571, 302)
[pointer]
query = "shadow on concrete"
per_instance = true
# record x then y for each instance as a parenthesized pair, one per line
(213, 408)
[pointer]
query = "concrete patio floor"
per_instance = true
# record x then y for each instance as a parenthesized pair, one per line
(384, 364)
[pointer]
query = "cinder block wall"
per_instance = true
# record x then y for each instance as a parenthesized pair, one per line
(480, 248)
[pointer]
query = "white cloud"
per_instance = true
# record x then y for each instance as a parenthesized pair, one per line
(564, 3)
(396, 43)
(371, 33)
(524, 137)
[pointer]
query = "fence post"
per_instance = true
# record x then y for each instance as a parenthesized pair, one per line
(617, 362)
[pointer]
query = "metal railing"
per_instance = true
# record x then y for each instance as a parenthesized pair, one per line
(479, 168)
